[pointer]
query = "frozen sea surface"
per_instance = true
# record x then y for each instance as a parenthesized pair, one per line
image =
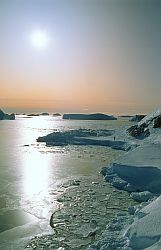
(32, 175)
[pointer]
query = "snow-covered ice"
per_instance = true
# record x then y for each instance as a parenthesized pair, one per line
(140, 168)
(86, 137)
(146, 231)
(138, 172)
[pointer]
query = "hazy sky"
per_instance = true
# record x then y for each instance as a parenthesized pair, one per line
(100, 55)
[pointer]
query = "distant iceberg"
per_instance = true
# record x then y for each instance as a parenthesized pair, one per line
(97, 116)
(4, 116)
(56, 114)
(44, 113)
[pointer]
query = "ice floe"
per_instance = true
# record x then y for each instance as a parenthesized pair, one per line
(86, 137)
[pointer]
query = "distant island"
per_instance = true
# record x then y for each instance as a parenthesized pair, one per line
(45, 113)
(4, 116)
(33, 115)
(126, 116)
(57, 114)
(97, 116)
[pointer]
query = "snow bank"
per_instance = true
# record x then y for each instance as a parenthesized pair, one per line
(138, 172)
(146, 231)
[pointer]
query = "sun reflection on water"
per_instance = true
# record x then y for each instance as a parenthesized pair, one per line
(36, 173)
(36, 182)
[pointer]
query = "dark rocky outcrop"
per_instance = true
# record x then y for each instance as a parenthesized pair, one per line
(138, 131)
(137, 118)
(97, 116)
(144, 127)
(4, 116)
(157, 122)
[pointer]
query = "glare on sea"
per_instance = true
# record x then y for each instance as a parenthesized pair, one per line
(36, 174)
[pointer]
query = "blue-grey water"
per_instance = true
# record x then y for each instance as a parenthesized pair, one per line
(30, 171)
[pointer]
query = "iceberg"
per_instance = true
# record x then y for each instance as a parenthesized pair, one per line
(97, 116)
(85, 137)
(4, 116)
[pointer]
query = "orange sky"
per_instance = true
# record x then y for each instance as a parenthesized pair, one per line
(102, 56)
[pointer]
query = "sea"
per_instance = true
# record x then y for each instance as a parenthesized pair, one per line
(37, 181)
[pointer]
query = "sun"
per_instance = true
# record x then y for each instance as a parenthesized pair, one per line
(39, 39)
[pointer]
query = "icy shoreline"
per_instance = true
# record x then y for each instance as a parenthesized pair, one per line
(138, 172)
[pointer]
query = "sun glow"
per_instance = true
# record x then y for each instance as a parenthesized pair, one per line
(39, 39)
